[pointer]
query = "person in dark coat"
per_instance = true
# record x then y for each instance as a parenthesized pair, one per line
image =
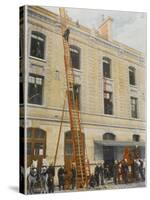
(101, 172)
(115, 172)
(96, 173)
(73, 177)
(51, 170)
(66, 34)
(141, 170)
(125, 171)
(92, 181)
(61, 177)
(51, 184)
(136, 170)
(51, 174)
(107, 171)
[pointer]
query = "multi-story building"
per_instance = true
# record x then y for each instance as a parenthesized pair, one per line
(109, 84)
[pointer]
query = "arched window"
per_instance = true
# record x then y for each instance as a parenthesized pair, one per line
(36, 145)
(75, 56)
(132, 75)
(106, 67)
(109, 136)
(37, 44)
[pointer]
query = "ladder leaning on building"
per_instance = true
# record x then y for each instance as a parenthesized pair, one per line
(79, 155)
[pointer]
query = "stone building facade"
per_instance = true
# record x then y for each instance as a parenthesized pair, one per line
(110, 84)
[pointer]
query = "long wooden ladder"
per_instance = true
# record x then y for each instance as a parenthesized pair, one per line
(74, 114)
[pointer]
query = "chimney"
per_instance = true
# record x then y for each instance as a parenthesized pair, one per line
(105, 29)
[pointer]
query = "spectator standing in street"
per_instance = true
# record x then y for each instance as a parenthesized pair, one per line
(73, 177)
(61, 177)
(115, 172)
(101, 172)
(92, 181)
(51, 174)
(136, 170)
(125, 171)
(97, 173)
(141, 171)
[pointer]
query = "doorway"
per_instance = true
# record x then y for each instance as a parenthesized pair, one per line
(108, 156)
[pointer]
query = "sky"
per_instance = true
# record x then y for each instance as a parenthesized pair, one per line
(128, 27)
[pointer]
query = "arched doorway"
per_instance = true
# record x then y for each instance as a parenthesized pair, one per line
(36, 145)
(69, 157)
(108, 151)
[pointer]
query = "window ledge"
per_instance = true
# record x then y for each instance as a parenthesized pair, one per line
(107, 79)
(133, 86)
(38, 59)
(77, 70)
(35, 105)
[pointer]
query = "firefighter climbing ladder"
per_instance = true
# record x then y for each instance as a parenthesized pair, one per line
(79, 154)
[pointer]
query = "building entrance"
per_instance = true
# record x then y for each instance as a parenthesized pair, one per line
(108, 156)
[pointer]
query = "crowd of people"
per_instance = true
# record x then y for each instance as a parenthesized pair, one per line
(117, 172)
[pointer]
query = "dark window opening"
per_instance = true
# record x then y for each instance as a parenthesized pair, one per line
(109, 136)
(136, 138)
(108, 105)
(106, 67)
(134, 107)
(75, 57)
(132, 76)
(37, 44)
(35, 89)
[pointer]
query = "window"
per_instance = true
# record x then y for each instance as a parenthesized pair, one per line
(106, 67)
(109, 136)
(39, 133)
(75, 56)
(68, 149)
(36, 145)
(76, 90)
(38, 149)
(132, 75)
(35, 89)
(29, 148)
(37, 44)
(136, 138)
(108, 105)
(134, 107)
